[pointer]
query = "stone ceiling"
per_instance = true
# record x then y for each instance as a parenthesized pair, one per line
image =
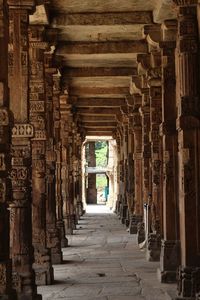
(98, 43)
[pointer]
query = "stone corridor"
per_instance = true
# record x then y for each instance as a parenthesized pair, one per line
(103, 262)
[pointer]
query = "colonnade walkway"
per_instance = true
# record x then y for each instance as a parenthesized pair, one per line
(103, 262)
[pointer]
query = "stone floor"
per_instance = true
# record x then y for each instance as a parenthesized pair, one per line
(103, 262)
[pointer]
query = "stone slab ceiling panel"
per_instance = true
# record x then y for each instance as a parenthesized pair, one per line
(98, 43)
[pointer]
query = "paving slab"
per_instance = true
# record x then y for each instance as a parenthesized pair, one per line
(103, 262)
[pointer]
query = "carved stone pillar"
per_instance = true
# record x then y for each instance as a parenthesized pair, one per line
(58, 150)
(59, 197)
(146, 146)
(20, 207)
(153, 247)
(5, 164)
(79, 178)
(169, 259)
(53, 238)
(126, 211)
(188, 125)
(130, 176)
(42, 264)
(146, 157)
(70, 159)
(123, 168)
(66, 162)
(118, 174)
(138, 201)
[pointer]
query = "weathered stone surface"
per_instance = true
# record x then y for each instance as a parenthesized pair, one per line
(104, 263)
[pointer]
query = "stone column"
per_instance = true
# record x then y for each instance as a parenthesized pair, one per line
(146, 157)
(118, 141)
(123, 168)
(169, 259)
(58, 150)
(20, 207)
(79, 177)
(71, 195)
(187, 123)
(75, 173)
(5, 164)
(155, 90)
(66, 162)
(130, 174)
(92, 191)
(125, 210)
(53, 238)
(146, 146)
(42, 264)
(137, 155)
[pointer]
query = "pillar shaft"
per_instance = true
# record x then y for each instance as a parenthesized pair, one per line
(53, 238)
(58, 150)
(42, 264)
(20, 207)
(169, 259)
(5, 135)
(187, 123)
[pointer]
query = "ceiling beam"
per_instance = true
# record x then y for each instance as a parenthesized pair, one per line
(94, 19)
(99, 133)
(98, 128)
(102, 47)
(97, 118)
(88, 72)
(98, 91)
(98, 124)
(97, 102)
(98, 111)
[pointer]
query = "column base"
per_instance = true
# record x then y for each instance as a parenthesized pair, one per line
(56, 257)
(64, 242)
(133, 226)
(188, 283)
(67, 224)
(79, 209)
(54, 244)
(153, 247)
(123, 213)
(24, 285)
(140, 233)
(29, 297)
(166, 276)
(9, 296)
(169, 261)
(61, 229)
(44, 274)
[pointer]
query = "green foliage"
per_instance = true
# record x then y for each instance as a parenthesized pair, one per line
(101, 154)
(101, 181)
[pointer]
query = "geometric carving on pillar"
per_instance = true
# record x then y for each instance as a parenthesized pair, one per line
(20, 205)
(42, 260)
(53, 238)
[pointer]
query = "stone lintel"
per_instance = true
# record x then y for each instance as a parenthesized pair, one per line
(98, 102)
(106, 18)
(102, 47)
(80, 91)
(89, 72)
